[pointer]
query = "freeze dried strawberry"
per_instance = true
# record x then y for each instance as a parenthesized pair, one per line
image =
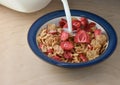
(40, 45)
(73, 27)
(82, 37)
(97, 32)
(62, 22)
(50, 51)
(52, 32)
(84, 22)
(56, 58)
(76, 24)
(83, 57)
(90, 25)
(64, 36)
(65, 26)
(66, 45)
(90, 46)
(67, 54)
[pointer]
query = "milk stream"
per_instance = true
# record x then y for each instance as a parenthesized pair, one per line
(68, 15)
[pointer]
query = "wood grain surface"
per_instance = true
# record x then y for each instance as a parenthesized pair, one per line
(20, 66)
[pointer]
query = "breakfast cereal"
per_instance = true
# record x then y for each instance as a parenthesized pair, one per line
(87, 44)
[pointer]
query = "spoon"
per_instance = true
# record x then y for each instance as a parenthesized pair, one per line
(68, 16)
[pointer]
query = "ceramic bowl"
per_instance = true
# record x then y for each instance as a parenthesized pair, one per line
(54, 17)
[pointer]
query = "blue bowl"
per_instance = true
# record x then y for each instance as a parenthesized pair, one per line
(52, 17)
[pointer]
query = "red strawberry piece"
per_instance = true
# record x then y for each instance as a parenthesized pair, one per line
(90, 25)
(40, 45)
(97, 32)
(90, 46)
(82, 37)
(65, 26)
(83, 57)
(52, 32)
(56, 58)
(67, 54)
(50, 51)
(64, 36)
(66, 45)
(87, 29)
(62, 22)
(76, 24)
(84, 22)
(73, 27)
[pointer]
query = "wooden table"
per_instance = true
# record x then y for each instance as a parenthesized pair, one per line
(20, 66)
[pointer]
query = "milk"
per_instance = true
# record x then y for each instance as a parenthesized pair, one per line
(26, 6)
(68, 16)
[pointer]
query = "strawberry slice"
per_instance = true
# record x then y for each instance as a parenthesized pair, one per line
(65, 26)
(90, 25)
(76, 24)
(67, 54)
(40, 45)
(64, 36)
(73, 27)
(84, 22)
(50, 51)
(97, 32)
(82, 37)
(56, 58)
(66, 45)
(62, 22)
(83, 57)
(90, 46)
(52, 32)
